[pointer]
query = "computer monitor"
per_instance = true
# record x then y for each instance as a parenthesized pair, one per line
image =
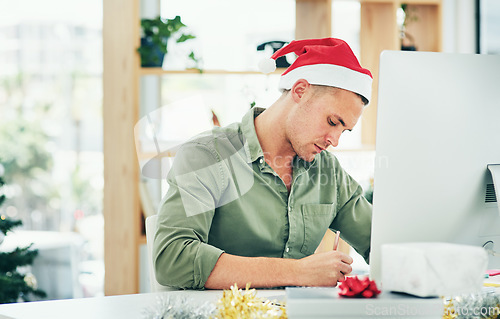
(438, 128)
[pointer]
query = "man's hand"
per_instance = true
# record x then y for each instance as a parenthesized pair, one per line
(324, 269)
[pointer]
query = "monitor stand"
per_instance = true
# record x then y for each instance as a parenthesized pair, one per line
(495, 175)
(493, 195)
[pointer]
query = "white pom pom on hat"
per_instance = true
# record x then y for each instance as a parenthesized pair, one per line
(267, 65)
(326, 61)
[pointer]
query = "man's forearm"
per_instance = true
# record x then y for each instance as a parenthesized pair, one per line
(322, 269)
(259, 271)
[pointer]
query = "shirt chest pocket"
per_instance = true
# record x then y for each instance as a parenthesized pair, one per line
(317, 218)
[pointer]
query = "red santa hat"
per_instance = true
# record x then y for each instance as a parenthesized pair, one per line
(326, 61)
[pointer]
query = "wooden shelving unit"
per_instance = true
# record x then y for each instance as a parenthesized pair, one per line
(121, 205)
(160, 71)
(380, 31)
(122, 212)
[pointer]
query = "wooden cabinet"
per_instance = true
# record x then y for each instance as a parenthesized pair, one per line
(124, 228)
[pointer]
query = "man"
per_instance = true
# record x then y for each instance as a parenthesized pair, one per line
(250, 202)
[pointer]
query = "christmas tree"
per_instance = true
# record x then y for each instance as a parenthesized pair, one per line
(14, 284)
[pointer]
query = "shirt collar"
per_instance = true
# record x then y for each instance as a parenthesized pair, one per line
(252, 145)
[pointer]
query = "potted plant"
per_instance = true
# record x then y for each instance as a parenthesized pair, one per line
(407, 40)
(155, 35)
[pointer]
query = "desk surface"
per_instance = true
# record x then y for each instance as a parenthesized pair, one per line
(138, 305)
(122, 307)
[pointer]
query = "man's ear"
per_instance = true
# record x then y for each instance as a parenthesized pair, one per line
(299, 89)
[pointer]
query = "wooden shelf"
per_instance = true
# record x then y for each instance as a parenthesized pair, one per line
(160, 71)
(150, 155)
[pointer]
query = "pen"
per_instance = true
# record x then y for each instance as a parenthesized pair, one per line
(336, 243)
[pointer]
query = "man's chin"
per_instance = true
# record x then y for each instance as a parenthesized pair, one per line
(309, 158)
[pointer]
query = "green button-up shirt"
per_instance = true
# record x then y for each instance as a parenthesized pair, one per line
(223, 197)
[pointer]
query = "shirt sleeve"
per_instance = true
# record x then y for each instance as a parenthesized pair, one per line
(354, 213)
(182, 256)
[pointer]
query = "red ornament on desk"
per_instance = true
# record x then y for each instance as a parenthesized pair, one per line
(358, 288)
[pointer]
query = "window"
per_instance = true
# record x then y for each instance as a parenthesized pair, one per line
(51, 128)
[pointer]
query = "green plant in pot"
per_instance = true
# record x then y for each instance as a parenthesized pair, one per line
(154, 38)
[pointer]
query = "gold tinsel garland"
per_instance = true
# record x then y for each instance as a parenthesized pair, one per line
(237, 303)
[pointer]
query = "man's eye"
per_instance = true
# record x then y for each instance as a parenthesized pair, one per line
(331, 122)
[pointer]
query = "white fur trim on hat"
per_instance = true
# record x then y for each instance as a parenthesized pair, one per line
(330, 75)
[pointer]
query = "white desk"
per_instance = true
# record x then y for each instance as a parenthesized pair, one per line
(135, 306)
(120, 307)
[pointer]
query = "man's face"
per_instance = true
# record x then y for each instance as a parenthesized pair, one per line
(319, 118)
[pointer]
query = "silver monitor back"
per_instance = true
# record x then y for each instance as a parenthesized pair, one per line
(438, 127)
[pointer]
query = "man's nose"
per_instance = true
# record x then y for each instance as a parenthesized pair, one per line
(333, 138)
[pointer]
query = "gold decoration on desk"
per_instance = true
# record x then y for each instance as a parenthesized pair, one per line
(449, 310)
(236, 303)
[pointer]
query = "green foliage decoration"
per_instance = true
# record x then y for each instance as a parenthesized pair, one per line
(155, 35)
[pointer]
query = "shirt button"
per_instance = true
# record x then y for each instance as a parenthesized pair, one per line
(289, 208)
(261, 161)
(287, 249)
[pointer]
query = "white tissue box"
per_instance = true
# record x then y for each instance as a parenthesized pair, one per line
(433, 269)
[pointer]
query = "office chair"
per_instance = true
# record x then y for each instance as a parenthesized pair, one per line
(151, 225)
